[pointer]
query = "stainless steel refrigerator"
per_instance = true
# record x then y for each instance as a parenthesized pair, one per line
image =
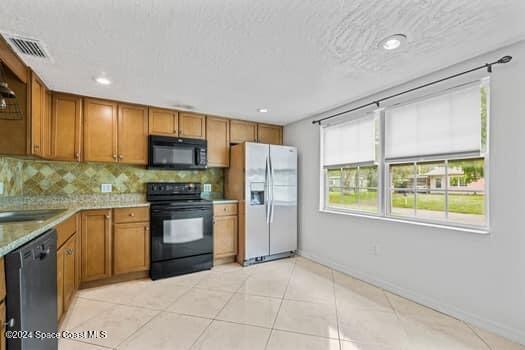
(264, 180)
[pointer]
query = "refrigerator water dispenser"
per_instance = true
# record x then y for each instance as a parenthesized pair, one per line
(257, 193)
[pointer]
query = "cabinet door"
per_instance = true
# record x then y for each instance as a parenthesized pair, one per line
(131, 247)
(66, 124)
(132, 134)
(163, 122)
(46, 124)
(224, 236)
(69, 270)
(271, 134)
(218, 137)
(60, 282)
(192, 125)
(241, 131)
(96, 245)
(100, 131)
(37, 94)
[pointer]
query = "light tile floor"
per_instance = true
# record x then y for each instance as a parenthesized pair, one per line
(287, 304)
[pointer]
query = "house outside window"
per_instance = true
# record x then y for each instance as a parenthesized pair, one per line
(423, 161)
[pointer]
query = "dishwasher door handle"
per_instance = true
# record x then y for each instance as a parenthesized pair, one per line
(10, 323)
(43, 254)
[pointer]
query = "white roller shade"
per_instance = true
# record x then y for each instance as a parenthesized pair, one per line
(448, 123)
(350, 142)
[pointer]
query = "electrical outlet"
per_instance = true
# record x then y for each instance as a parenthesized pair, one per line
(207, 187)
(106, 188)
(1, 188)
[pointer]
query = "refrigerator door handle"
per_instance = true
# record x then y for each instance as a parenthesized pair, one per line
(272, 207)
(267, 190)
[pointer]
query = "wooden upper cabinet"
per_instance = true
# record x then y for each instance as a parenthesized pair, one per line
(272, 134)
(132, 134)
(192, 125)
(242, 131)
(37, 100)
(66, 126)
(100, 130)
(96, 245)
(218, 137)
(163, 122)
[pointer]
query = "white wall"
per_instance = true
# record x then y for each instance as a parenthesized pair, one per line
(477, 278)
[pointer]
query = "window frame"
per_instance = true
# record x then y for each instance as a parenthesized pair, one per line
(383, 168)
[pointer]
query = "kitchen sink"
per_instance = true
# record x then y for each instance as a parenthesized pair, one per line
(28, 215)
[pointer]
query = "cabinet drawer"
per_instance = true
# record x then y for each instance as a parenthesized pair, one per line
(66, 229)
(124, 215)
(224, 209)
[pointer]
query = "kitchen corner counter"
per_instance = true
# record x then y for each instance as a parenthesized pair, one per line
(225, 201)
(14, 235)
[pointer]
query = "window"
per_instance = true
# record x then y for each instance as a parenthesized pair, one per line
(353, 188)
(424, 160)
(349, 165)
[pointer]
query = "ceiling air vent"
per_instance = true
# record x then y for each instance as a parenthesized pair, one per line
(27, 46)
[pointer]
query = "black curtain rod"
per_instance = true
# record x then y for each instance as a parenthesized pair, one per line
(488, 66)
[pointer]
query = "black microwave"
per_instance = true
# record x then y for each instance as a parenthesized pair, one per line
(177, 153)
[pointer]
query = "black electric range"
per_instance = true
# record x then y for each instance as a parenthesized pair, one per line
(181, 229)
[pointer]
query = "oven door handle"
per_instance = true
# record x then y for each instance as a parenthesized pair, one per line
(170, 210)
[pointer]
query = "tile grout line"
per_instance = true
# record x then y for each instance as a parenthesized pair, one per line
(158, 313)
(138, 329)
(213, 319)
(336, 310)
(280, 305)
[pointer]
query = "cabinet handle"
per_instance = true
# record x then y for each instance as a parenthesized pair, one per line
(69, 251)
(120, 157)
(115, 156)
(78, 156)
(132, 214)
(108, 217)
(146, 228)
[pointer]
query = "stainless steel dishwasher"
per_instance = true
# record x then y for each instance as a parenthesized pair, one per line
(31, 282)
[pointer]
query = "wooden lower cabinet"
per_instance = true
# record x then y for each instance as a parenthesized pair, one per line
(2, 325)
(70, 252)
(131, 247)
(96, 245)
(60, 283)
(225, 236)
(68, 255)
(225, 228)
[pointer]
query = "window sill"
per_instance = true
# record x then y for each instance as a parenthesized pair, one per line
(480, 231)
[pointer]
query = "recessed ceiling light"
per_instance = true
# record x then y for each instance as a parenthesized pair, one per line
(262, 110)
(103, 80)
(393, 42)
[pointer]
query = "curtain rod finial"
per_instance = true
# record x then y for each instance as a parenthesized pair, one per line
(505, 59)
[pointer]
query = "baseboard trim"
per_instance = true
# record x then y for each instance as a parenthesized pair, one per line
(495, 327)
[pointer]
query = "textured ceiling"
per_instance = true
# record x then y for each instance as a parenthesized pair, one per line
(295, 57)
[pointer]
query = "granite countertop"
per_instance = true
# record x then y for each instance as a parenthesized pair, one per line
(14, 235)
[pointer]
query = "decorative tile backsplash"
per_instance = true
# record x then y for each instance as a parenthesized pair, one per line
(35, 177)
